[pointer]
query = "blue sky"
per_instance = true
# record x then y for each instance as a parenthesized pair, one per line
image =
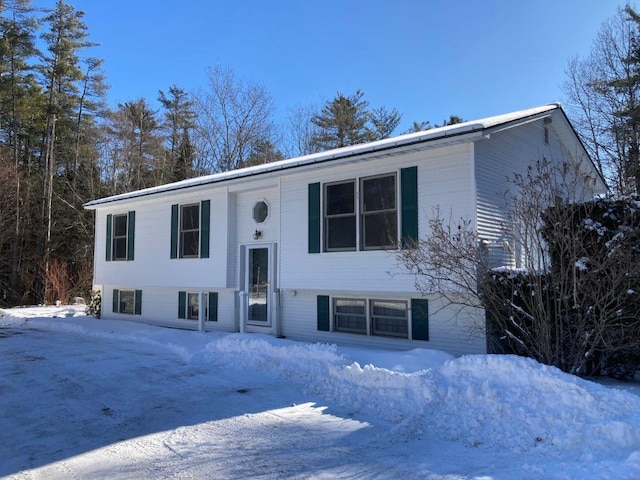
(427, 58)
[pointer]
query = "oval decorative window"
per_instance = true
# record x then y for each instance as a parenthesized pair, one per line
(260, 211)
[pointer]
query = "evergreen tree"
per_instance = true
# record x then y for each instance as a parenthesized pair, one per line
(61, 76)
(179, 119)
(342, 122)
(137, 157)
(453, 120)
(419, 126)
(19, 99)
(384, 122)
(183, 166)
(263, 151)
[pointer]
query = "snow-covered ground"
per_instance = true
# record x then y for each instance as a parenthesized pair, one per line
(83, 398)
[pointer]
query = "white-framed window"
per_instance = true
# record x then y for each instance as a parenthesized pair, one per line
(350, 315)
(119, 242)
(379, 212)
(340, 219)
(190, 230)
(193, 306)
(127, 301)
(388, 318)
(189, 307)
(120, 234)
(368, 224)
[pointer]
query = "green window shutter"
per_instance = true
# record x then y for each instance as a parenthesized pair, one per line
(108, 250)
(409, 208)
(323, 313)
(131, 232)
(213, 306)
(174, 231)
(314, 218)
(138, 300)
(182, 304)
(420, 318)
(205, 215)
(115, 300)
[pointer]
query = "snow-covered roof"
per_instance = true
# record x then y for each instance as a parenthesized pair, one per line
(340, 153)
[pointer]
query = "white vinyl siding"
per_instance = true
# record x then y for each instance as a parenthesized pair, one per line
(509, 152)
(161, 308)
(153, 265)
(444, 178)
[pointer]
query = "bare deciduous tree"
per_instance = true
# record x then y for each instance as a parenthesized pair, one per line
(300, 130)
(233, 116)
(601, 90)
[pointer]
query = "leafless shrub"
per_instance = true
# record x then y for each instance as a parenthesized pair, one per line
(565, 291)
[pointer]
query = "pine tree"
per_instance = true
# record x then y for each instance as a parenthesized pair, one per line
(263, 151)
(183, 166)
(384, 122)
(61, 75)
(342, 122)
(18, 93)
(179, 119)
(137, 154)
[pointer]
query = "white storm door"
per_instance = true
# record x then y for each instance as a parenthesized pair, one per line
(258, 284)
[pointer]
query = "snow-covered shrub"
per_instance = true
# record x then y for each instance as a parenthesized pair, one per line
(95, 305)
(582, 314)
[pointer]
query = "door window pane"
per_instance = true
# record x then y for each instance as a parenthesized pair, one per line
(258, 285)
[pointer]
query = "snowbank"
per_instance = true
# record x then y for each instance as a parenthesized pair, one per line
(509, 402)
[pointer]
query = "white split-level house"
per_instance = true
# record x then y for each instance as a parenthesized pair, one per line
(304, 247)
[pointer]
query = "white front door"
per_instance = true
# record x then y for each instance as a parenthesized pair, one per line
(259, 284)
